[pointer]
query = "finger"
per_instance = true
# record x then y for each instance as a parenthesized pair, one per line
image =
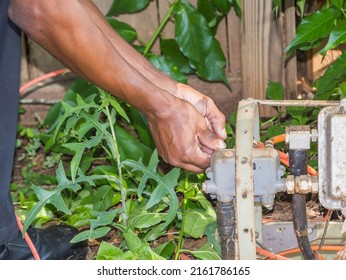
(218, 122)
(206, 149)
(208, 139)
(216, 119)
(197, 161)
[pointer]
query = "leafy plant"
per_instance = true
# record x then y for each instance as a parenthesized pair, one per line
(326, 28)
(110, 180)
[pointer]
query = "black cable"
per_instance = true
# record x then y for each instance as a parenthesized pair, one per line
(298, 166)
(226, 229)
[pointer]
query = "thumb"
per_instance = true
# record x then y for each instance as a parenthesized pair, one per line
(208, 139)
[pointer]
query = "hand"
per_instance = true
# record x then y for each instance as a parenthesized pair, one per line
(207, 108)
(182, 135)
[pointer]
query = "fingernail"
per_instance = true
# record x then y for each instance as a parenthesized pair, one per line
(221, 144)
(224, 133)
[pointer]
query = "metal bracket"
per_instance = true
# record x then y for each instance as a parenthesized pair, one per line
(247, 132)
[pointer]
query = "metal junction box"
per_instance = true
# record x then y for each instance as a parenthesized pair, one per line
(267, 175)
(332, 156)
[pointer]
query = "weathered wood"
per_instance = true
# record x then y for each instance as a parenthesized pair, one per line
(261, 58)
(291, 64)
(163, 7)
(234, 44)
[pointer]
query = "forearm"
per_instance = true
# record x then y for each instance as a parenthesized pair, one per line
(137, 60)
(81, 39)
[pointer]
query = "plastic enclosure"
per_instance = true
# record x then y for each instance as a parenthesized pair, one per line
(332, 156)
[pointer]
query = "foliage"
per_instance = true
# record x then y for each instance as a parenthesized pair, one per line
(109, 177)
(110, 180)
(325, 29)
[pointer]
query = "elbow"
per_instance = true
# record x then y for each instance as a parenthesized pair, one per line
(27, 15)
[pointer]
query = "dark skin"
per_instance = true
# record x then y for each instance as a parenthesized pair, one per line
(186, 125)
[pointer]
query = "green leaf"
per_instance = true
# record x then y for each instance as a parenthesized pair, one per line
(145, 220)
(70, 110)
(222, 5)
(53, 197)
(127, 7)
(165, 184)
(103, 198)
(103, 218)
(192, 32)
(142, 128)
(196, 221)
(138, 247)
(275, 91)
(90, 234)
(313, 27)
(110, 100)
(274, 130)
(301, 6)
(213, 239)
(166, 249)
(161, 63)
(205, 203)
(236, 4)
(276, 6)
(212, 66)
(332, 78)
(298, 114)
(129, 146)
(338, 3)
(125, 30)
(207, 9)
(171, 51)
(336, 37)
(79, 150)
(108, 252)
(206, 252)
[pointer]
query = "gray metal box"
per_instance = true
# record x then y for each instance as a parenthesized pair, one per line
(267, 174)
(332, 157)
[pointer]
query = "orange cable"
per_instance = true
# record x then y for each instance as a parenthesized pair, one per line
(284, 157)
(278, 138)
(270, 255)
(22, 89)
(41, 78)
(28, 240)
(314, 248)
(281, 255)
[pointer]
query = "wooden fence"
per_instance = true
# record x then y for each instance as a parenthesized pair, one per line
(253, 46)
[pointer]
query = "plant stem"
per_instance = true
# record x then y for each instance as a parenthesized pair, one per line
(181, 233)
(271, 120)
(160, 27)
(122, 189)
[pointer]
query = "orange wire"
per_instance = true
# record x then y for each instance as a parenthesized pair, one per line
(41, 78)
(22, 89)
(281, 255)
(28, 240)
(314, 248)
(270, 255)
(284, 157)
(278, 138)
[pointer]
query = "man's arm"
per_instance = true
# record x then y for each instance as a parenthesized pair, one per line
(76, 33)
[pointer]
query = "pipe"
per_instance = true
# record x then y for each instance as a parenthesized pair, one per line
(298, 166)
(226, 229)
